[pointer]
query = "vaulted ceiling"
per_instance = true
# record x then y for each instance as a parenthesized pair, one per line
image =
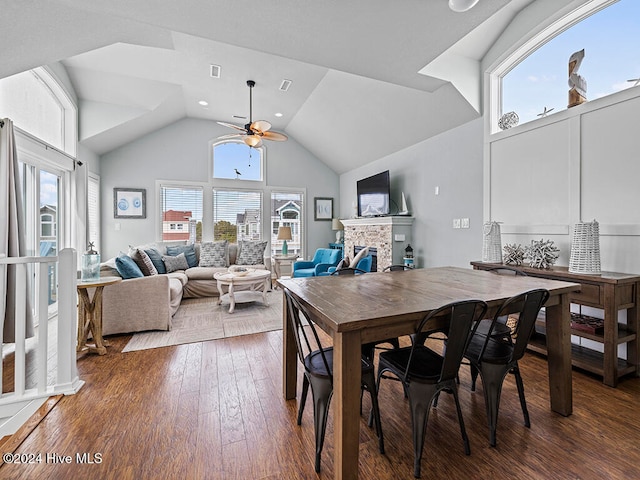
(368, 77)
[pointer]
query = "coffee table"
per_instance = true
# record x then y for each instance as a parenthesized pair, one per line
(249, 283)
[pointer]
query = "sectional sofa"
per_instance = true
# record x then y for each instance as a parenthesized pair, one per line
(167, 272)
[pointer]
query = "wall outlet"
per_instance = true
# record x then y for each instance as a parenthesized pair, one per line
(456, 223)
(464, 223)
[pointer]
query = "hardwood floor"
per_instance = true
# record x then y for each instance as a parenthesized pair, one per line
(214, 410)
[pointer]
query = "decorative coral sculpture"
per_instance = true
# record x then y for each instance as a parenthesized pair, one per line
(513, 254)
(542, 254)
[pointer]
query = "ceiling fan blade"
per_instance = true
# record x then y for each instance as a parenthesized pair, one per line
(231, 135)
(260, 126)
(231, 125)
(274, 136)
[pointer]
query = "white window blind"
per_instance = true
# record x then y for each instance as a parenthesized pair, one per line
(93, 212)
(181, 213)
(287, 211)
(237, 215)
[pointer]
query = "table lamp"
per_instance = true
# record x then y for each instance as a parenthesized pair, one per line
(284, 234)
(336, 225)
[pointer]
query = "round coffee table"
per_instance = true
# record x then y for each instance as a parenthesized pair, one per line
(249, 283)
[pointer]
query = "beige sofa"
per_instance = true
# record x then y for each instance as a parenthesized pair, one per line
(149, 303)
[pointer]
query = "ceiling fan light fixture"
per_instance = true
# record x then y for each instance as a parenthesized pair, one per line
(462, 5)
(252, 141)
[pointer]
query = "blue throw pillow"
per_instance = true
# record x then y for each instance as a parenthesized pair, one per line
(127, 268)
(156, 259)
(189, 252)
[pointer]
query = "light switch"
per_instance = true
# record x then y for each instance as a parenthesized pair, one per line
(456, 223)
(399, 237)
(464, 223)
(117, 226)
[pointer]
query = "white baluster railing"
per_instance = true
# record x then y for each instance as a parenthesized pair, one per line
(17, 406)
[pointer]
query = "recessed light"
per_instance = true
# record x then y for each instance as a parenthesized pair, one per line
(203, 103)
(278, 114)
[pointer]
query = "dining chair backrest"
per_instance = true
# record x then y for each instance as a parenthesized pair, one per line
(507, 270)
(347, 271)
(306, 335)
(397, 268)
(527, 305)
(455, 320)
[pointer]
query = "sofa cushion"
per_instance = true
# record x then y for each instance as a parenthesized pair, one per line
(127, 268)
(189, 253)
(214, 254)
(250, 253)
(180, 276)
(156, 258)
(204, 273)
(144, 262)
(175, 262)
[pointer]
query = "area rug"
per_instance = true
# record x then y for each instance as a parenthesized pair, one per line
(201, 319)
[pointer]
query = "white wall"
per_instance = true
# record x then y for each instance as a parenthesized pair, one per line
(181, 152)
(451, 161)
(578, 165)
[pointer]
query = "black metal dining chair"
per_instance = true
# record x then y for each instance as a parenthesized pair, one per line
(496, 356)
(317, 361)
(425, 372)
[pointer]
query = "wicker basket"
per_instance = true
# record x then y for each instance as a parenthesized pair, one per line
(492, 245)
(585, 248)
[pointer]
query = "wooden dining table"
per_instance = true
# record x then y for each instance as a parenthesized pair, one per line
(363, 308)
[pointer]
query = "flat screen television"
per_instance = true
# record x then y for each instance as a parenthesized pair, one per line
(373, 195)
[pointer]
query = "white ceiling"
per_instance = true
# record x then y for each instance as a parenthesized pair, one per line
(369, 77)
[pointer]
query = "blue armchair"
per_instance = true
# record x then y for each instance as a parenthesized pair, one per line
(322, 260)
(364, 264)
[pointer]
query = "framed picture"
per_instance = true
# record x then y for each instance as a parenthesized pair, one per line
(129, 203)
(323, 208)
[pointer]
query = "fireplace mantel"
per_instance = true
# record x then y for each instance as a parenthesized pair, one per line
(389, 235)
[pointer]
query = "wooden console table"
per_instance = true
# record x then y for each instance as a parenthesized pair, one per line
(610, 292)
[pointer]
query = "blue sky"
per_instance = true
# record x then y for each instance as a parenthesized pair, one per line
(611, 40)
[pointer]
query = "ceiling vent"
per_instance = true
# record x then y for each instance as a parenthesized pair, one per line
(215, 71)
(284, 86)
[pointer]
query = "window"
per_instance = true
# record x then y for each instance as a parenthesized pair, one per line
(237, 215)
(237, 161)
(93, 213)
(37, 104)
(609, 37)
(181, 210)
(286, 211)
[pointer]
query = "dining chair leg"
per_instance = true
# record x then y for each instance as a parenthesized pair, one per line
(523, 402)
(303, 398)
(322, 393)
(463, 430)
(369, 382)
(474, 376)
(492, 379)
(420, 401)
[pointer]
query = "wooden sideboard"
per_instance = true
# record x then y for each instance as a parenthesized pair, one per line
(610, 292)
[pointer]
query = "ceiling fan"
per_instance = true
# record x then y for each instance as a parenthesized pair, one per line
(253, 132)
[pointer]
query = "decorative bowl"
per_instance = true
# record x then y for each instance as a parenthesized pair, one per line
(239, 271)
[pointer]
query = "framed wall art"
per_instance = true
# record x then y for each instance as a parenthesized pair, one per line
(323, 208)
(129, 203)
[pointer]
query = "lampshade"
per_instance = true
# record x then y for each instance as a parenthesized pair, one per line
(284, 233)
(336, 224)
(462, 5)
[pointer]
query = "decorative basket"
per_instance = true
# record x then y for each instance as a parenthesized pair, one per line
(585, 248)
(492, 245)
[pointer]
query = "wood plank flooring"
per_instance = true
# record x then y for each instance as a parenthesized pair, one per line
(214, 410)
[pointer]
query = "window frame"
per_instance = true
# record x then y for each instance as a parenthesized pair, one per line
(519, 52)
(234, 182)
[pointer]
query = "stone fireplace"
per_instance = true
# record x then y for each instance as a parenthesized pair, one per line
(388, 235)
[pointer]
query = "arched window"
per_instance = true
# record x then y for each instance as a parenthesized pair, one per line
(38, 105)
(533, 81)
(235, 160)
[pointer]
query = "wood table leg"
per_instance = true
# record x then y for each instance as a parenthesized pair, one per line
(347, 372)
(558, 325)
(289, 355)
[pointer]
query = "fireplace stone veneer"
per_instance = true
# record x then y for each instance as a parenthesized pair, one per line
(388, 235)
